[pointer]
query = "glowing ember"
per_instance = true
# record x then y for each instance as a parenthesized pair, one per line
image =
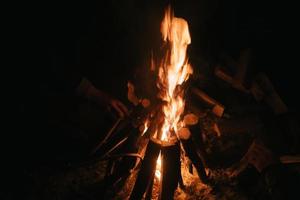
(173, 71)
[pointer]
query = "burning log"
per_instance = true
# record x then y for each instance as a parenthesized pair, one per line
(171, 170)
(146, 173)
(173, 70)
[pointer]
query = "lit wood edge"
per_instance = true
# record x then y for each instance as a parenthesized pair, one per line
(290, 159)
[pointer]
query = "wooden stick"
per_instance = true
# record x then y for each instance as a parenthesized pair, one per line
(191, 151)
(287, 159)
(235, 83)
(110, 132)
(217, 108)
(170, 170)
(146, 173)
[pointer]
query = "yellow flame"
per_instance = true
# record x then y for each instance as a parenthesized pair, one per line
(174, 70)
(146, 126)
(158, 167)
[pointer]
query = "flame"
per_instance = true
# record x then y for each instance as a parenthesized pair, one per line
(173, 71)
(158, 167)
(146, 126)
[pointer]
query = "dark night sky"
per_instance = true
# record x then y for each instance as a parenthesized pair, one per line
(107, 39)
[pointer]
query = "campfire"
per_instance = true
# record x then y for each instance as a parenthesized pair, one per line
(204, 119)
(173, 149)
(166, 126)
(175, 126)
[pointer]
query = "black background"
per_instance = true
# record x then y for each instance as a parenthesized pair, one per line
(107, 40)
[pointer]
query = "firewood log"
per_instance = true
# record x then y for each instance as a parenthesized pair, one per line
(170, 170)
(217, 108)
(191, 151)
(146, 173)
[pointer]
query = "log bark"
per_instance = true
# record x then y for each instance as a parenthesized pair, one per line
(217, 108)
(235, 82)
(171, 170)
(146, 173)
(191, 151)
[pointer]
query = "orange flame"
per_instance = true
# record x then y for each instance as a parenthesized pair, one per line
(173, 71)
(145, 126)
(158, 167)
